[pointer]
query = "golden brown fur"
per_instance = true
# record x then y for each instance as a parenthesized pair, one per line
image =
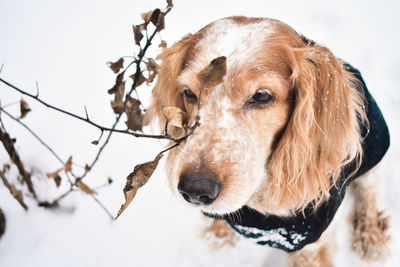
(306, 136)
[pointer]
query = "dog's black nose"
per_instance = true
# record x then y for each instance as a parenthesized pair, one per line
(199, 187)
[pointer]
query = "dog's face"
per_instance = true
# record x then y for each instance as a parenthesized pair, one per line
(262, 128)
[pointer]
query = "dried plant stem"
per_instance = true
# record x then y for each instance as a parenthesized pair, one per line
(76, 184)
(38, 138)
(9, 187)
(103, 207)
(8, 144)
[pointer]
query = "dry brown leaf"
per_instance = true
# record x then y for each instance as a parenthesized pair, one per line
(139, 81)
(87, 168)
(137, 33)
(116, 66)
(139, 177)
(54, 174)
(163, 44)
(68, 165)
(57, 181)
(170, 4)
(160, 22)
(95, 142)
(24, 108)
(86, 188)
(118, 103)
(176, 119)
(134, 114)
(213, 74)
(17, 193)
(151, 78)
(152, 67)
(110, 180)
(118, 81)
(6, 167)
(152, 16)
(13, 190)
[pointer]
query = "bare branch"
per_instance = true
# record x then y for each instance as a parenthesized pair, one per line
(8, 144)
(85, 119)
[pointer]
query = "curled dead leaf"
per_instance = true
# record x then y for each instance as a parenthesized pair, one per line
(54, 174)
(24, 108)
(118, 81)
(118, 103)
(152, 16)
(139, 177)
(95, 142)
(163, 44)
(6, 167)
(86, 188)
(139, 80)
(137, 33)
(116, 66)
(170, 4)
(134, 114)
(13, 190)
(152, 67)
(110, 180)
(57, 181)
(213, 74)
(17, 194)
(160, 22)
(68, 165)
(176, 120)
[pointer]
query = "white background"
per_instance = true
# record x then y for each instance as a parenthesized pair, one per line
(64, 45)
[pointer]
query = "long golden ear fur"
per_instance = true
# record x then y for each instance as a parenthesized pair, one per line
(322, 135)
(165, 92)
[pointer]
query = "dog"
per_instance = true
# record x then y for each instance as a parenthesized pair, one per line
(279, 140)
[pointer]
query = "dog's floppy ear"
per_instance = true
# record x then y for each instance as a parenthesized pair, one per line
(322, 134)
(165, 92)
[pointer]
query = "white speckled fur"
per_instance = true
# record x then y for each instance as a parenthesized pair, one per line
(232, 143)
(236, 42)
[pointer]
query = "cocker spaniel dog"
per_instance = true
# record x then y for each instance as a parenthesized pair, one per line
(279, 140)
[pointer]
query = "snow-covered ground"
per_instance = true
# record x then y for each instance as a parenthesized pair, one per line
(64, 46)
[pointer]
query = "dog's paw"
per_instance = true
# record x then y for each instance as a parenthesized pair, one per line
(220, 234)
(371, 235)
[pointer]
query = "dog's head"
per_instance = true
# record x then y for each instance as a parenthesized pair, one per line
(275, 134)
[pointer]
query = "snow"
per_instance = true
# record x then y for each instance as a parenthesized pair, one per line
(64, 45)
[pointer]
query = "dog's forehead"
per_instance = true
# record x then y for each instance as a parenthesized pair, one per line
(234, 39)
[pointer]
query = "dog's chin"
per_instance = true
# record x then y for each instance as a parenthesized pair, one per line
(219, 210)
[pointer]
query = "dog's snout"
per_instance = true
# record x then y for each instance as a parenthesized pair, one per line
(199, 187)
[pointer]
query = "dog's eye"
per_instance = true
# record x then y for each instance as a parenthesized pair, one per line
(190, 96)
(262, 96)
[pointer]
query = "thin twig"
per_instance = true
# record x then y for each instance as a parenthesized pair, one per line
(38, 138)
(103, 207)
(11, 104)
(135, 81)
(37, 89)
(85, 119)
